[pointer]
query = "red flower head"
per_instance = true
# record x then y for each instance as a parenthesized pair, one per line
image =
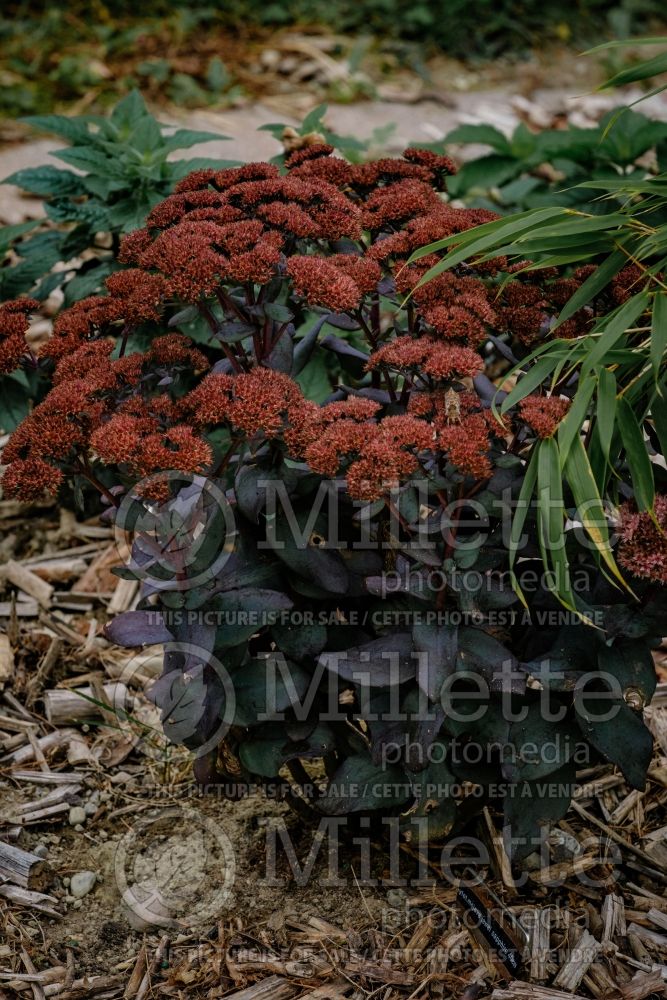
(543, 413)
(397, 203)
(177, 350)
(316, 161)
(188, 255)
(431, 357)
(322, 283)
(30, 478)
(439, 166)
(643, 546)
(83, 321)
(141, 294)
(210, 402)
(467, 445)
(523, 311)
(262, 399)
(14, 324)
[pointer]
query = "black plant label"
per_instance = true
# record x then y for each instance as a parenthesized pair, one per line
(488, 931)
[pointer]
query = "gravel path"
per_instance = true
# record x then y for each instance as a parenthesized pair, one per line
(423, 121)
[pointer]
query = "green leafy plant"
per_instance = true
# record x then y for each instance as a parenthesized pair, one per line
(336, 577)
(121, 169)
(537, 169)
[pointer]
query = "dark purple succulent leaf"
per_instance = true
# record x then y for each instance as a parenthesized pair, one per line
(487, 391)
(307, 555)
(359, 785)
(377, 395)
(222, 367)
(186, 315)
(482, 653)
(181, 698)
(438, 644)
(416, 583)
(278, 312)
(387, 286)
(262, 689)
(233, 331)
(303, 349)
(281, 357)
(341, 321)
(383, 662)
(299, 642)
(528, 811)
(137, 628)
(251, 498)
(503, 349)
(345, 350)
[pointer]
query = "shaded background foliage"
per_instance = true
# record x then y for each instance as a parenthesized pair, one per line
(188, 54)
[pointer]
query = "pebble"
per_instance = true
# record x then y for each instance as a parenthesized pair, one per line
(77, 815)
(41, 851)
(82, 883)
(120, 778)
(66, 880)
(144, 908)
(90, 808)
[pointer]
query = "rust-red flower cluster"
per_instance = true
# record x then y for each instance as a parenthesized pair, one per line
(643, 541)
(14, 324)
(543, 414)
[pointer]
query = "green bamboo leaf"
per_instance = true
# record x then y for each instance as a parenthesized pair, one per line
(606, 410)
(658, 331)
(616, 324)
(519, 519)
(590, 510)
(593, 285)
(570, 427)
(641, 71)
(659, 414)
(491, 234)
(637, 455)
(550, 521)
(532, 378)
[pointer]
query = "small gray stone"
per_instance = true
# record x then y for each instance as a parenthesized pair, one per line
(144, 908)
(41, 851)
(77, 815)
(82, 883)
(90, 808)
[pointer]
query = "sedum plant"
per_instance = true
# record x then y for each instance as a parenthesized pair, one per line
(328, 497)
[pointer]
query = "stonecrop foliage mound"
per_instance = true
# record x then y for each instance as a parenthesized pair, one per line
(321, 486)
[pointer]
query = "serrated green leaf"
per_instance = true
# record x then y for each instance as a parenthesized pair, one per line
(47, 181)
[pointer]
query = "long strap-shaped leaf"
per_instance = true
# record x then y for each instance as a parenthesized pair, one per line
(550, 525)
(658, 332)
(637, 455)
(519, 520)
(590, 510)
